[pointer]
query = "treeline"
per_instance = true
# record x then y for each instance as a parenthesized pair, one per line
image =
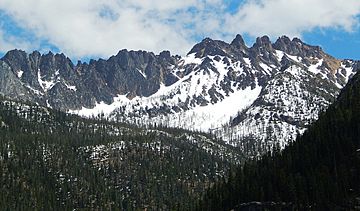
(318, 171)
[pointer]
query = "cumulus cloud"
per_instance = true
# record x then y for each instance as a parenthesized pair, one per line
(84, 28)
(293, 17)
(87, 27)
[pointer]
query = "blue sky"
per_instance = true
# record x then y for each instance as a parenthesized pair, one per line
(85, 29)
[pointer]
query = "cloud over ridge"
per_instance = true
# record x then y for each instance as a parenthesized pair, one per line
(100, 28)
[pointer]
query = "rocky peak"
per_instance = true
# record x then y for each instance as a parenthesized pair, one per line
(297, 40)
(209, 47)
(263, 41)
(262, 46)
(263, 51)
(309, 54)
(282, 43)
(296, 47)
(16, 59)
(61, 57)
(35, 55)
(131, 58)
(23, 65)
(165, 55)
(20, 54)
(51, 64)
(239, 43)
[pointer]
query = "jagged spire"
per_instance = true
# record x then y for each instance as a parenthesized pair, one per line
(209, 47)
(238, 42)
(262, 41)
(296, 47)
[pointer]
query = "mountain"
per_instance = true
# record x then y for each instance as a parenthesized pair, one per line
(54, 81)
(269, 91)
(319, 171)
(50, 160)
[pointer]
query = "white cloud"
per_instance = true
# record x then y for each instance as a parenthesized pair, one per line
(293, 17)
(10, 42)
(82, 28)
(87, 27)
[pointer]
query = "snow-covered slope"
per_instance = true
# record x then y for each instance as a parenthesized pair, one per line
(197, 101)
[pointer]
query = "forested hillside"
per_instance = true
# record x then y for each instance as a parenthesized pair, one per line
(319, 171)
(50, 160)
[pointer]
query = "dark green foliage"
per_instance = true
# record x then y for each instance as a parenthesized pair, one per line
(50, 160)
(319, 171)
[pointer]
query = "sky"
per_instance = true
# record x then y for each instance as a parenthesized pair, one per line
(84, 29)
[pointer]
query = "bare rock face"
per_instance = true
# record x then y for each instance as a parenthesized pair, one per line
(53, 80)
(10, 85)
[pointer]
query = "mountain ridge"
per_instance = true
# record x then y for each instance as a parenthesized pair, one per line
(210, 89)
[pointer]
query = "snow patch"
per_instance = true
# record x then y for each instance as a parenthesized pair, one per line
(101, 108)
(315, 68)
(48, 104)
(45, 85)
(34, 90)
(191, 59)
(19, 73)
(348, 72)
(143, 74)
(293, 70)
(295, 58)
(248, 62)
(73, 88)
(266, 68)
(279, 55)
(205, 118)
